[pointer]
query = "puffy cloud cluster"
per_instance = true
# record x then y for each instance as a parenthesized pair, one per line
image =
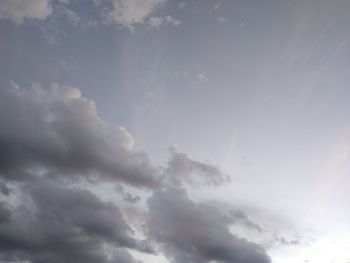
(53, 146)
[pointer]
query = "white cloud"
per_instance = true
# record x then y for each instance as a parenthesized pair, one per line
(202, 77)
(172, 21)
(128, 13)
(18, 10)
(156, 22)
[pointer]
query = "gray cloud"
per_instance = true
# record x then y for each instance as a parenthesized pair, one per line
(58, 131)
(191, 232)
(63, 224)
(4, 189)
(128, 197)
(18, 10)
(50, 135)
(5, 213)
(182, 168)
(239, 216)
(131, 198)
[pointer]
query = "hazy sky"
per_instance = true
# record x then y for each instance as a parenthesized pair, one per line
(175, 131)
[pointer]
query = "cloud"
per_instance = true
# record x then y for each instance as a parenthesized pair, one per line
(52, 143)
(239, 216)
(181, 168)
(5, 213)
(156, 22)
(222, 20)
(190, 232)
(57, 223)
(71, 16)
(18, 10)
(128, 197)
(54, 30)
(202, 77)
(129, 13)
(4, 189)
(58, 132)
(131, 198)
(260, 225)
(172, 21)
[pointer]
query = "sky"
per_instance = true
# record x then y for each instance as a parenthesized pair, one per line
(171, 131)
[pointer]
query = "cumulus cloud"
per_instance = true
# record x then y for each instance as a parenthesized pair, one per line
(52, 142)
(56, 223)
(18, 10)
(58, 132)
(190, 232)
(129, 13)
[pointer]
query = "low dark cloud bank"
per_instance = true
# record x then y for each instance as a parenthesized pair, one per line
(52, 141)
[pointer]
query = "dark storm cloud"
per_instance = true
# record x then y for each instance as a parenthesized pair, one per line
(182, 168)
(58, 130)
(191, 232)
(62, 224)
